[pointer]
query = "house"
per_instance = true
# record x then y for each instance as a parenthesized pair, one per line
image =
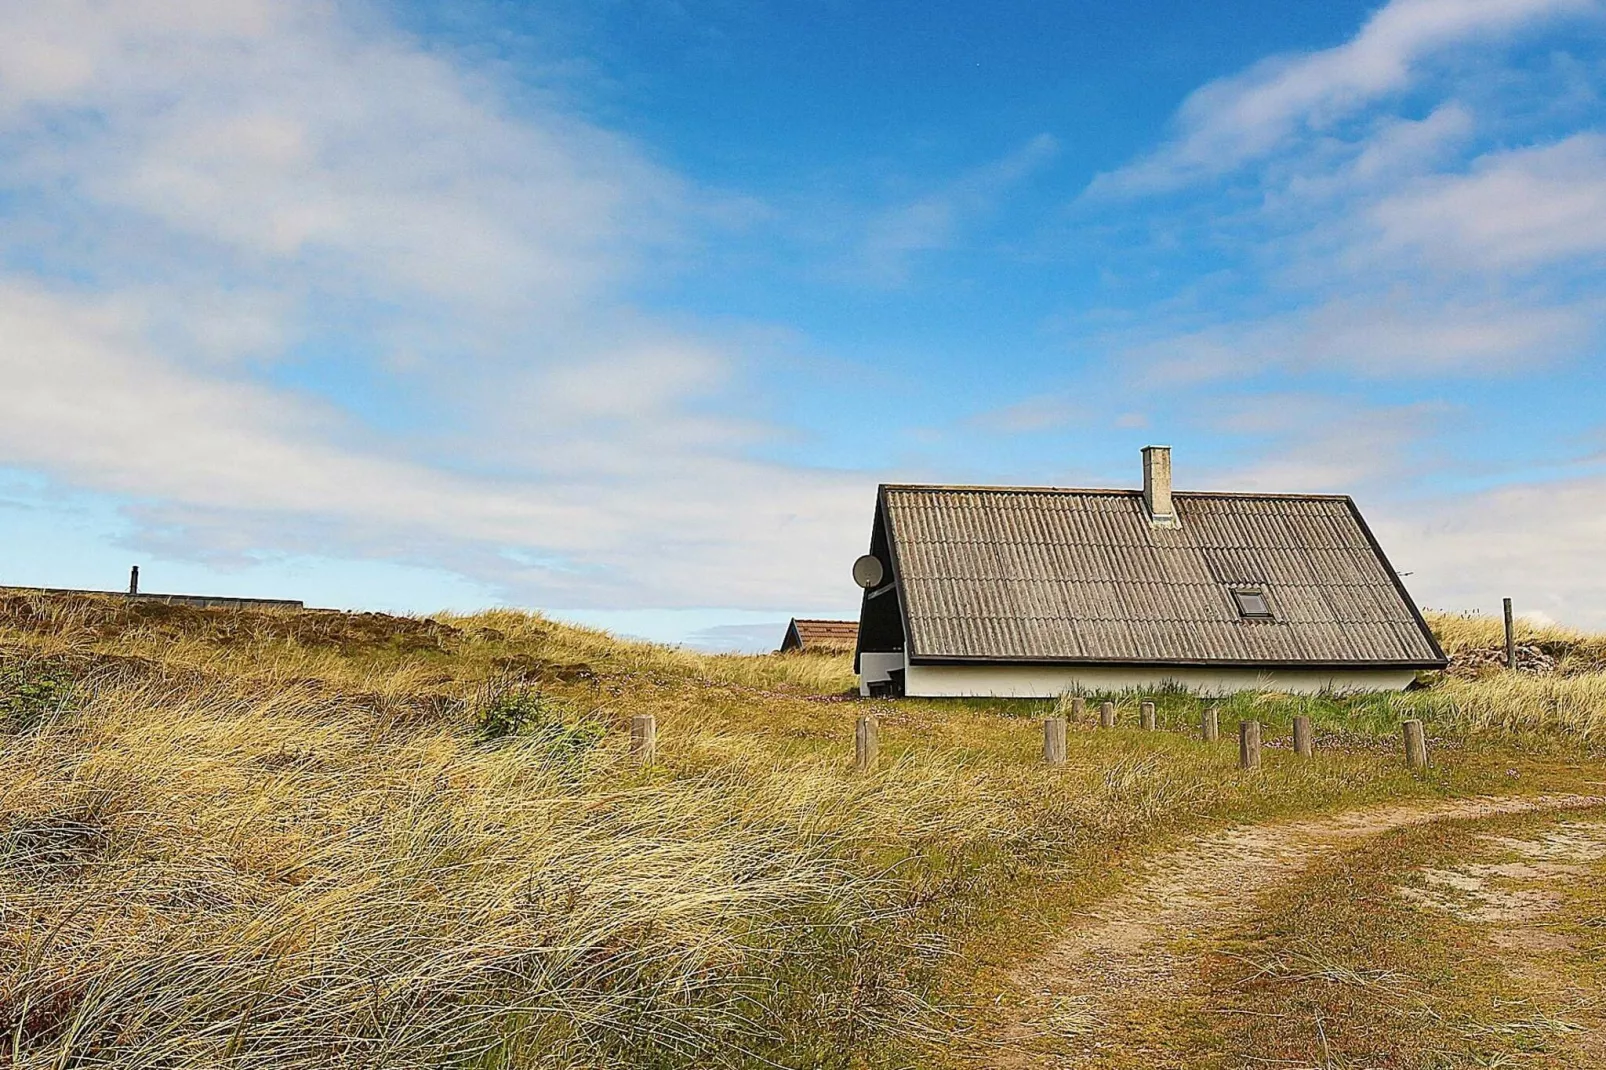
(1035, 591)
(837, 636)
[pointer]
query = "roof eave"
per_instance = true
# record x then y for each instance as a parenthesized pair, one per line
(1180, 663)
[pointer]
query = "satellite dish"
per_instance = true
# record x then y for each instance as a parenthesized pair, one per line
(868, 571)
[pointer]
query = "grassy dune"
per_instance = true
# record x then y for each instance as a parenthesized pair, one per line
(300, 839)
(1461, 634)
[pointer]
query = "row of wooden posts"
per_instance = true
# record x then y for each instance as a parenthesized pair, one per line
(1416, 750)
(866, 736)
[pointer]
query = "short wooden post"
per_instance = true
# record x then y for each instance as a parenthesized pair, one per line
(1106, 715)
(1210, 726)
(1304, 745)
(1248, 744)
(644, 738)
(1078, 709)
(1416, 744)
(1146, 713)
(1054, 740)
(1511, 637)
(866, 740)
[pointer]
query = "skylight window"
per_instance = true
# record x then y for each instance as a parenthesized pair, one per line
(1252, 604)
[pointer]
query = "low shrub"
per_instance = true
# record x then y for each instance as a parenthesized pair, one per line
(523, 712)
(30, 695)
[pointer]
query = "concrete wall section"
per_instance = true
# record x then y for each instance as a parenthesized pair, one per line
(877, 669)
(1047, 681)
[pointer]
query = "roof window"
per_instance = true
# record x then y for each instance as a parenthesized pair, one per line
(1252, 604)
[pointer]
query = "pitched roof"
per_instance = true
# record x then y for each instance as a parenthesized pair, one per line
(1052, 575)
(822, 634)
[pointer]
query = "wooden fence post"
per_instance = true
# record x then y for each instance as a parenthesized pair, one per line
(644, 738)
(866, 740)
(1146, 713)
(1511, 636)
(1079, 709)
(1304, 745)
(1054, 740)
(1210, 725)
(1416, 744)
(1106, 715)
(1248, 744)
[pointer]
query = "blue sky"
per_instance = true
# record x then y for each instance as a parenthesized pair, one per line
(621, 310)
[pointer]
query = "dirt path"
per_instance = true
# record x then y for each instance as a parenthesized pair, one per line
(1127, 950)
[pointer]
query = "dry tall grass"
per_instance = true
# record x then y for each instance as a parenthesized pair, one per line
(1466, 636)
(296, 840)
(246, 860)
(1570, 706)
(1564, 693)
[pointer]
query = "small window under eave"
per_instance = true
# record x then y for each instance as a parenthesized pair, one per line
(1251, 603)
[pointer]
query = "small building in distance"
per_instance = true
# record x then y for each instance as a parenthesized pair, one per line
(834, 636)
(195, 601)
(1031, 592)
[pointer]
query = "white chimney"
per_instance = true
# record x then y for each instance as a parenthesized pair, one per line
(1157, 486)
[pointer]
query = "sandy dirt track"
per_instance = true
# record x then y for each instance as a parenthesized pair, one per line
(1125, 951)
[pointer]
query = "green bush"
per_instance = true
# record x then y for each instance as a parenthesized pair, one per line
(30, 695)
(525, 713)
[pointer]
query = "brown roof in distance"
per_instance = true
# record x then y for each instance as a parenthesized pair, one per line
(838, 635)
(1083, 576)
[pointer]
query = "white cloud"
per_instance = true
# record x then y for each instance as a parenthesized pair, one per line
(937, 220)
(234, 465)
(1042, 413)
(1514, 210)
(1372, 336)
(1365, 254)
(1324, 444)
(632, 385)
(1389, 150)
(1533, 539)
(229, 198)
(1389, 247)
(1534, 542)
(1402, 146)
(87, 400)
(1235, 120)
(288, 133)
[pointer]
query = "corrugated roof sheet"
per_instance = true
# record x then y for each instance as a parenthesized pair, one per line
(1068, 575)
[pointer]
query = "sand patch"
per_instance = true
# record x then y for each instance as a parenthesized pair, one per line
(1517, 892)
(1131, 950)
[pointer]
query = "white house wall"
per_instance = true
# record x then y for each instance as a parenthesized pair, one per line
(877, 669)
(1011, 681)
